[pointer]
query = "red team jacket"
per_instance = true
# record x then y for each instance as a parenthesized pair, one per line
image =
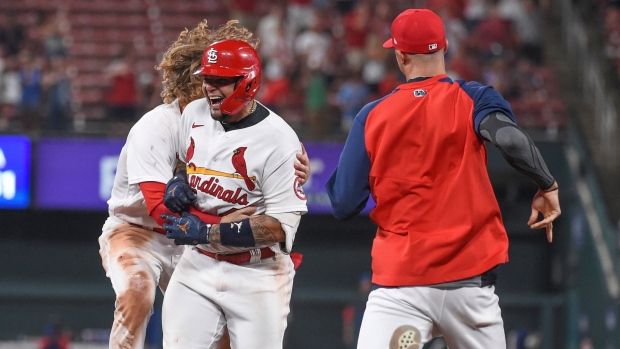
(417, 151)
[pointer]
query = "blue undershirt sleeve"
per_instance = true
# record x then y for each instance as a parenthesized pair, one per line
(348, 187)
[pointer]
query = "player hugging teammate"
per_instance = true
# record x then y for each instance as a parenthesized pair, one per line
(136, 254)
(235, 275)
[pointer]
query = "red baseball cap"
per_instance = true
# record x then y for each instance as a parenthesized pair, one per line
(417, 31)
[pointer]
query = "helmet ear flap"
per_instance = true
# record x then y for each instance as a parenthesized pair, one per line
(245, 91)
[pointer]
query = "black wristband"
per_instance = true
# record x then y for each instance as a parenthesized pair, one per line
(237, 234)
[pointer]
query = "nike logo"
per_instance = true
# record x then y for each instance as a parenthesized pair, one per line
(194, 125)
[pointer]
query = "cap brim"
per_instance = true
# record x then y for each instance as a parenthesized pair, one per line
(389, 43)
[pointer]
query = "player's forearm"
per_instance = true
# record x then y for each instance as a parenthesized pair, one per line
(205, 217)
(517, 148)
(181, 169)
(265, 229)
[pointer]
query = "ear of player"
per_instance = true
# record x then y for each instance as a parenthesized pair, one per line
(187, 229)
(179, 195)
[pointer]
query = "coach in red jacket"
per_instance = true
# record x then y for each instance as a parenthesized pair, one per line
(420, 152)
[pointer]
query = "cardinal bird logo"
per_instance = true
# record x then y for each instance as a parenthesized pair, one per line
(190, 150)
(238, 162)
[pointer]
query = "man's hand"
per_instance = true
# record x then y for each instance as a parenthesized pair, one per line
(546, 202)
(179, 195)
(239, 215)
(187, 229)
(302, 168)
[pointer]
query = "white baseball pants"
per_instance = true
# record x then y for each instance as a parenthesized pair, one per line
(136, 260)
(409, 317)
(205, 295)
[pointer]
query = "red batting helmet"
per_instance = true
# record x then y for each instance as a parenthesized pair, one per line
(230, 58)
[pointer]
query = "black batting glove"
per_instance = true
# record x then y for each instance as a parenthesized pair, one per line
(179, 195)
(187, 229)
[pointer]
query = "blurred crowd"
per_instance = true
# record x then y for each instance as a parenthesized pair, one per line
(322, 61)
(34, 77)
(610, 14)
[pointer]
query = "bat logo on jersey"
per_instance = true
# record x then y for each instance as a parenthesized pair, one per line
(238, 162)
(299, 191)
(212, 56)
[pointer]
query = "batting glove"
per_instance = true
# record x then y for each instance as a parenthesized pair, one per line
(179, 195)
(187, 229)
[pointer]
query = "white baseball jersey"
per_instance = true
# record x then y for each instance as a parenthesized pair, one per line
(149, 155)
(138, 260)
(248, 166)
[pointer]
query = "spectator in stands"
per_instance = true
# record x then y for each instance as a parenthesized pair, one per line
(299, 14)
(461, 65)
(57, 85)
(54, 338)
(528, 25)
(269, 30)
(352, 95)
(148, 96)
(381, 22)
(315, 88)
(612, 31)
(374, 68)
(33, 23)
(244, 11)
(300, 38)
(275, 92)
(122, 96)
(30, 77)
(344, 6)
(276, 44)
(496, 74)
(10, 92)
(356, 27)
(456, 30)
(392, 78)
(494, 35)
(475, 11)
(12, 34)
(510, 10)
(53, 31)
(353, 313)
(312, 48)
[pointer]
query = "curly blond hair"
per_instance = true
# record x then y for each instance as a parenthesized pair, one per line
(184, 57)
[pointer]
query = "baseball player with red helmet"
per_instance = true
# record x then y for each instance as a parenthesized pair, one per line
(420, 152)
(238, 153)
(135, 252)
